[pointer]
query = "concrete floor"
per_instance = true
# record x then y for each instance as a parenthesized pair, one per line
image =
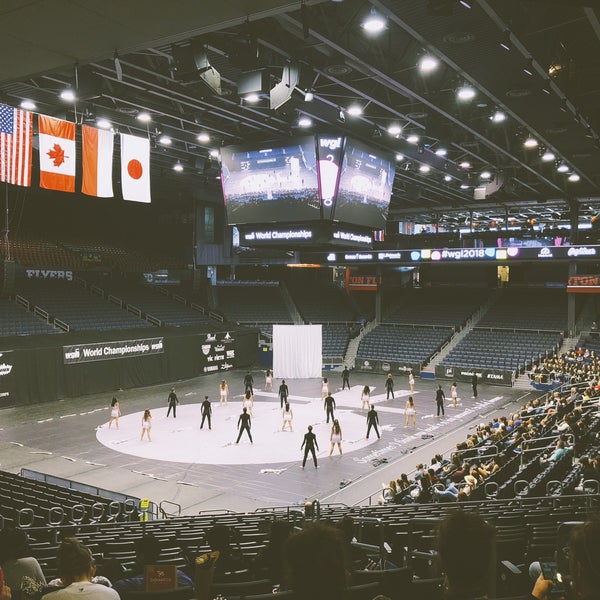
(204, 470)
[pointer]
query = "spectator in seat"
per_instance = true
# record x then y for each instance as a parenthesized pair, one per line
(465, 547)
(270, 560)
(147, 550)
(77, 568)
(219, 537)
(17, 561)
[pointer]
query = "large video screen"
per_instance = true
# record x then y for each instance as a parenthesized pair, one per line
(271, 184)
(365, 186)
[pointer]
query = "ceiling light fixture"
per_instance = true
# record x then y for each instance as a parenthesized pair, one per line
(413, 138)
(573, 177)
(465, 4)
(203, 137)
(485, 175)
(178, 167)
(428, 63)
(548, 156)
(103, 123)
(165, 140)
(464, 186)
(28, 104)
(465, 93)
(465, 164)
(441, 152)
(214, 153)
(354, 110)
(530, 142)
(424, 168)
(68, 95)
(304, 121)
(447, 178)
(144, 117)
(394, 129)
(498, 116)
(505, 43)
(399, 157)
(374, 23)
(252, 98)
(309, 96)
(562, 168)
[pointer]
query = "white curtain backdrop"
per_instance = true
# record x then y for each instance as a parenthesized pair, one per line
(297, 351)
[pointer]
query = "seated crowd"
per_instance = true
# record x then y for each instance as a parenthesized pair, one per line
(576, 366)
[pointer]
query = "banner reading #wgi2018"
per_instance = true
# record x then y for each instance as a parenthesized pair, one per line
(112, 350)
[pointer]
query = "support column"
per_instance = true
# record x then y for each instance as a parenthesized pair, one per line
(571, 303)
(378, 295)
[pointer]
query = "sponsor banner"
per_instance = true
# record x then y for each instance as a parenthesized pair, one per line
(81, 353)
(49, 274)
(217, 352)
(584, 284)
(7, 378)
(362, 282)
(490, 376)
(369, 365)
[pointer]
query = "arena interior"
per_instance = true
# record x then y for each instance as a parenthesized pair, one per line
(412, 187)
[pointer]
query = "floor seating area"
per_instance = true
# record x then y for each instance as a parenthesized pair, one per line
(403, 343)
(444, 306)
(17, 320)
(503, 349)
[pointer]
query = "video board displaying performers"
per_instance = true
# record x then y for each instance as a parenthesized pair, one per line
(271, 184)
(365, 186)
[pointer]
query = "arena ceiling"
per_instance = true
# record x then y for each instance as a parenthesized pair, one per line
(537, 62)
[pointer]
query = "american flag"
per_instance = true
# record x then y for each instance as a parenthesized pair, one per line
(16, 130)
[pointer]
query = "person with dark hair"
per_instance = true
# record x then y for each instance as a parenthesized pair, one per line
(146, 425)
(147, 552)
(389, 386)
(439, 400)
(466, 549)
(244, 424)
(356, 556)
(269, 561)
(315, 563)
(173, 402)
(584, 557)
(336, 437)
(17, 561)
(288, 416)
(283, 392)
(372, 421)
(219, 538)
(365, 398)
(77, 567)
(249, 383)
(309, 443)
(329, 406)
(115, 412)
(474, 384)
(345, 378)
(206, 412)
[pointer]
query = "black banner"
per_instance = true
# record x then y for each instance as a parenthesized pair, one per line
(112, 350)
(217, 352)
(490, 376)
(369, 365)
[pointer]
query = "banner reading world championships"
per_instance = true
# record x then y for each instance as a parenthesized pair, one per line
(112, 350)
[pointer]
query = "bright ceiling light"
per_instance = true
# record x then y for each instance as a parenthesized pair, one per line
(309, 96)
(413, 139)
(447, 178)
(465, 93)
(304, 121)
(498, 117)
(394, 129)
(562, 168)
(530, 142)
(144, 117)
(485, 175)
(464, 186)
(214, 153)
(399, 157)
(424, 168)
(252, 98)
(465, 164)
(548, 156)
(68, 95)
(574, 177)
(355, 110)
(203, 137)
(28, 104)
(103, 123)
(178, 167)
(428, 63)
(441, 152)
(374, 23)
(165, 140)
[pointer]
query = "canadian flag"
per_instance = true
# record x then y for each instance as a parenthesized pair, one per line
(97, 161)
(57, 154)
(135, 168)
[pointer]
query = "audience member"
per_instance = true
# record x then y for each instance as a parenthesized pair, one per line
(17, 561)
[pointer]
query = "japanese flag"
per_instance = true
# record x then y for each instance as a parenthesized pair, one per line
(57, 154)
(97, 162)
(135, 168)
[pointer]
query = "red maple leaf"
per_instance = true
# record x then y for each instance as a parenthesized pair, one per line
(57, 155)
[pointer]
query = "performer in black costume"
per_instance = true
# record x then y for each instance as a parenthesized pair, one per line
(345, 378)
(329, 405)
(389, 386)
(309, 444)
(372, 421)
(249, 383)
(283, 392)
(474, 384)
(206, 412)
(173, 402)
(244, 423)
(439, 400)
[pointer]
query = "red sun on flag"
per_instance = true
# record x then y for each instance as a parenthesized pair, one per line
(57, 155)
(134, 168)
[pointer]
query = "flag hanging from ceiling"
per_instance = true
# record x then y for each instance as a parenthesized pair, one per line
(16, 130)
(97, 161)
(135, 168)
(57, 154)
